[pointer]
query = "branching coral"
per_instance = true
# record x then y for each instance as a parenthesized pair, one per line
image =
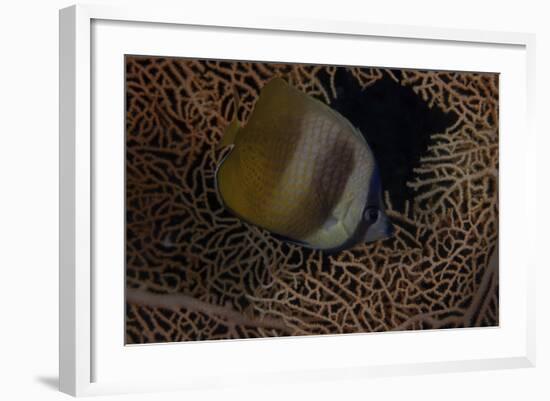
(222, 278)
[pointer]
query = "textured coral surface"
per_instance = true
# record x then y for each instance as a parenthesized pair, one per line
(195, 272)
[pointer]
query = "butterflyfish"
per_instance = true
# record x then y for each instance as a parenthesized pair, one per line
(302, 171)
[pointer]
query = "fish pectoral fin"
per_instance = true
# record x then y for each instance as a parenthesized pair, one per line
(333, 228)
(284, 238)
(330, 223)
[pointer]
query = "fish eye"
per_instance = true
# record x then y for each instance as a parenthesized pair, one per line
(371, 214)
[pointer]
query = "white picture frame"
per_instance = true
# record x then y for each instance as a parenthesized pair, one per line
(85, 355)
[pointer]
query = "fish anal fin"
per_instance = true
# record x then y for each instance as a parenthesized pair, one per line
(284, 238)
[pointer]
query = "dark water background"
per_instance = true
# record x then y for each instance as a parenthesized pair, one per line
(396, 123)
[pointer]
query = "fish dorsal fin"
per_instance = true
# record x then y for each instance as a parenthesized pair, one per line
(278, 94)
(277, 90)
(276, 86)
(345, 122)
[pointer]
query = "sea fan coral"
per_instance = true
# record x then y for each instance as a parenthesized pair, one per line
(195, 272)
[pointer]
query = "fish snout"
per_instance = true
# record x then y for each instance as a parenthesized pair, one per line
(390, 230)
(381, 229)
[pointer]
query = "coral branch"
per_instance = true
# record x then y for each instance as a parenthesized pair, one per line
(227, 279)
(182, 301)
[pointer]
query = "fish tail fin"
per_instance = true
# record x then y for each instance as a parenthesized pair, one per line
(236, 100)
(230, 134)
(232, 129)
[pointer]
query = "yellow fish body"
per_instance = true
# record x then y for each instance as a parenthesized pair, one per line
(300, 170)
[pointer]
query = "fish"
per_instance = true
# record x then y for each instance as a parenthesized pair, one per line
(302, 171)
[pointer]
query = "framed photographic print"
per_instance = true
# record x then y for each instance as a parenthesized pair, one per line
(341, 201)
